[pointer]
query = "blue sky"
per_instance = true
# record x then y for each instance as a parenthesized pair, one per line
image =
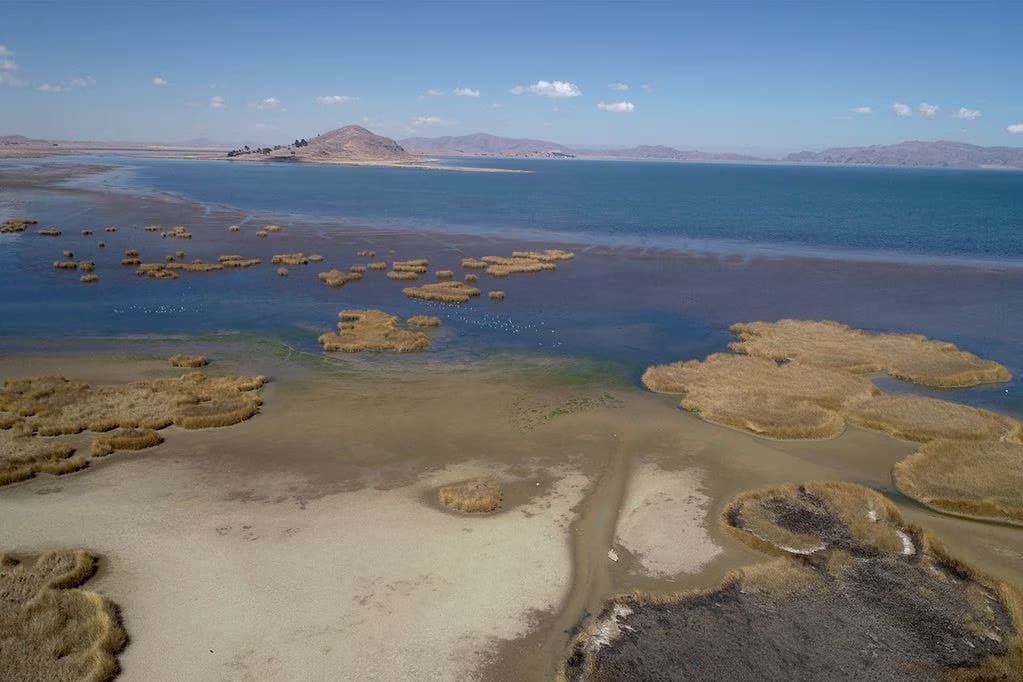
(725, 76)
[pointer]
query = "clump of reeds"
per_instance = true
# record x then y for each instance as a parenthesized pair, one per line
(190, 361)
(238, 262)
(372, 330)
(289, 259)
(124, 439)
(50, 232)
(498, 266)
(177, 232)
(418, 266)
(545, 255)
(402, 276)
(443, 292)
(336, 278)
(923, 419)
(445, 274)
(155, 271)
(179, 254)
(977, 480)
(13, 225)
(65, 265)
(789, 401)
(272, 228)
(152, 228)
(282, 272)
(217, 412)
(195, 266)
(169, 258)
(474, 263)
(904, 356)
(131, 261)
(49, 629)
(234, 228)
(479, 495)
(357, 268)
(131, 253)
(315, 258)
(89, 279)
(471, 277)
(69, 254)
(377, 265)
(262, 233)
(496, 295)
(423, 321)
(22, 455)
(366, 254)
(86, 265)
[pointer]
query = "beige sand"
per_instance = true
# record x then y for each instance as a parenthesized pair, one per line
(663, 521)
(377, 571)
(830, 344)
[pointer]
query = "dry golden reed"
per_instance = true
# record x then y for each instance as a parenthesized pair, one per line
(830, 344)
(153, 228)
(14, 225)
(272, 228)
(234, 261)
(50, 232)
(49, 629)
(922, 419)
(443, 292)
(69, 254)
(545, 255)
(445, 274)
(289, 259)
(372, 330)
(357, 268)
(189, 361)
(471, 277)
(496, 295)
(423, 321)
(366, 254)
(86, 265)
(478, 495)
(131, 261)
(234, 228)
(418, 266)
(473, 263)
(261, 233)
(377, 265)
(402, 276)
(65, 265)
(976, 480)
(336, 278)
(282, 272)
(89, 279)
(789, 401)
(124, 439)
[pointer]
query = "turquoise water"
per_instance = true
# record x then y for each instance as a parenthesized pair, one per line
(842, 211)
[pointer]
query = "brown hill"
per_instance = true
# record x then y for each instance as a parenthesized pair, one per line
(351, 144)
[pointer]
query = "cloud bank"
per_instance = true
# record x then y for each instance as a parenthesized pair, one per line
(553, 89)
(617, 107)
(465, 92)
(335, 99)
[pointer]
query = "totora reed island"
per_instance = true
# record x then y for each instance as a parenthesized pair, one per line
(398, 342)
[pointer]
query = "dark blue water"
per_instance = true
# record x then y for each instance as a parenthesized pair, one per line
(884, 212)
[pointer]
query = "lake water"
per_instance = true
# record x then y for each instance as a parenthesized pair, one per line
(841, 211)
(930, 251)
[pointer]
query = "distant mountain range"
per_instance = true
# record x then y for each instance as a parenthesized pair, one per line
(918, 154)
(356, 144)
(484, 144)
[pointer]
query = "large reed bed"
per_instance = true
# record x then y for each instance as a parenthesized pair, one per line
(50, 629)
(443, 292)
(374, 331)
(476, 496)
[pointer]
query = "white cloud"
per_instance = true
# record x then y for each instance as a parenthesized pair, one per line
(863, 110)
(465, 92)
(902, 110)
(928, 110)
(617, 107)
(50, 87)
(1016, 129)
(159, 81)
(554, 89)
(85, 82)
(334, 99)
(421, 121)
(268, 103)
(967, 114)
(217, 102)
(619, 86)
(8, 67)
(433, 93)
(646, 87)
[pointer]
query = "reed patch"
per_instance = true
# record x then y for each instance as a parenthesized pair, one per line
(374, 331)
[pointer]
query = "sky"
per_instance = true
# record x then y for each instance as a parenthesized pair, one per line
(760, 76)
